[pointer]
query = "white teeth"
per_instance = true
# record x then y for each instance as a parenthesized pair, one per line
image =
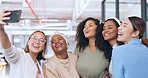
(120, 34)
(106, 34)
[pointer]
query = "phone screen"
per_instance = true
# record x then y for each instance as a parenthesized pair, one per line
(14, 16)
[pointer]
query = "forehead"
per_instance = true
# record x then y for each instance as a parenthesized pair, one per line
(39, 34)
(127, 22)
(109, 22)
(89, 21)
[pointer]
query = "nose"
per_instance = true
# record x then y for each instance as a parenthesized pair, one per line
(56, 41)
(37, 41)
(119, 27)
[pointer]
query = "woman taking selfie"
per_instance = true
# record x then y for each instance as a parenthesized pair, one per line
(23, 63)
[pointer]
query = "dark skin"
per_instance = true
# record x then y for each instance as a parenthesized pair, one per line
(145, 41)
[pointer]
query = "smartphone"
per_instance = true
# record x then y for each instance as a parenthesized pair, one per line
(14, 16)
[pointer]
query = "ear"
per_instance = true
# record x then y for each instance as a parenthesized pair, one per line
(135, 34)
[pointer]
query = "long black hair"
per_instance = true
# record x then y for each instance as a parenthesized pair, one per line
(100, 43)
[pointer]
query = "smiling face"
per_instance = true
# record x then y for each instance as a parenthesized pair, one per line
(58, 44)
(90, 29)
(125, 31)
(110, 31)
(36, 42)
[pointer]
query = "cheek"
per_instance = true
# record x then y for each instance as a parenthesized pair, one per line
(115, 32)
(103, 32)
(29, 43)
(52, 45)
(83, 30)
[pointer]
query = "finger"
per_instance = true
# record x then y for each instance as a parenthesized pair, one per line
(3, 23)
(5, 18)
(6, 14)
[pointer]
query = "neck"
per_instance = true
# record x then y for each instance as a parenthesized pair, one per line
(33, 55)
(92, 46)
(62, 55)
(113, 42)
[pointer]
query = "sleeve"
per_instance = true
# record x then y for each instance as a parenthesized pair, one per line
(73, 57)
(12, 54)
(49, 71)
(117, 62)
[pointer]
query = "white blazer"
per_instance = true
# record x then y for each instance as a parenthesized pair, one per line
(21, 63)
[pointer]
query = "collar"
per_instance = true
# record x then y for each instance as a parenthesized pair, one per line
(134, 41)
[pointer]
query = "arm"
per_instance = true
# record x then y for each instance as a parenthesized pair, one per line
(3, 35)
(117, 63)
(10, 52)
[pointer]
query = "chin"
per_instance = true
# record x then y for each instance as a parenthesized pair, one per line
(119, 39)
(106, 39)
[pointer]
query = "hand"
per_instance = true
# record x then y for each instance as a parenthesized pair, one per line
(3, 17)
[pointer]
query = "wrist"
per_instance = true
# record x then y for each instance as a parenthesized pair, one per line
(1, 27)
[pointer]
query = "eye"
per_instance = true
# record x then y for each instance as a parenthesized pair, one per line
(42, 40)
(110, 27)
(35, 38)
(52, 41)
(90, 25)
(124, 26)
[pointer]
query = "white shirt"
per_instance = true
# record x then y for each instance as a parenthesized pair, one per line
(21, 63)
(110, 66)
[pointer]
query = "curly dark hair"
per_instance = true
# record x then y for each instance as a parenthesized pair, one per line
(100, 43)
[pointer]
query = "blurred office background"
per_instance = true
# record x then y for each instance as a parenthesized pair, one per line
(64, 15)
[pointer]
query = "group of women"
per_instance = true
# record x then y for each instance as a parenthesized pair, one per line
(98, 53)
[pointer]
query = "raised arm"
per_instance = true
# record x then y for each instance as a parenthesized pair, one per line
(4, 40)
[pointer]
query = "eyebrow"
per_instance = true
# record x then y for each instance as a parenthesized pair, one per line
(107, 25)
(126, 23)
(37, 37)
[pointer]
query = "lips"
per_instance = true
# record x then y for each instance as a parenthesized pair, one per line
(106, 34)
(120, 34)
(36, 46)
(58, 45)
(87, 31)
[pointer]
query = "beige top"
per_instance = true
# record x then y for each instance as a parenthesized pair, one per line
(59, 68)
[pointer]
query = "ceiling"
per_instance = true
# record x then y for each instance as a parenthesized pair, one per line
(64, 15)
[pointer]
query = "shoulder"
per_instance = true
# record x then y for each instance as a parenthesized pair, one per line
(76, 51)
(72, 56)
(51, 61)
(119, 51)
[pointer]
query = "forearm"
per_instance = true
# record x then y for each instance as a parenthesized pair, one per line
(5, 43)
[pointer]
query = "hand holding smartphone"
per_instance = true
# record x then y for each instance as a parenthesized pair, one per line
(14, 16)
